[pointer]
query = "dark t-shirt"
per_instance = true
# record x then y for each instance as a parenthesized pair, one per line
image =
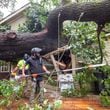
(35, 66)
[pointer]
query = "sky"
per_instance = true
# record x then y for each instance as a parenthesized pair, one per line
(19, 4)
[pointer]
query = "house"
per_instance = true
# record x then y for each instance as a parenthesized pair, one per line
(16, 18)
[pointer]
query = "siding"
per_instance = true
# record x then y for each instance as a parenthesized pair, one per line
(19, 20)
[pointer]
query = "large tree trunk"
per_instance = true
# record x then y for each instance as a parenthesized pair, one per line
(14, 47)
(97, 12)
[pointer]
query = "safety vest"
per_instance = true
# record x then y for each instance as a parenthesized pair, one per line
(21, 64)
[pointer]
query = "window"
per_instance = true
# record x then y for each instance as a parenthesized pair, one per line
(4, 66)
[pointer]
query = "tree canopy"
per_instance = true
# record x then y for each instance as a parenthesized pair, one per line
(7, 4)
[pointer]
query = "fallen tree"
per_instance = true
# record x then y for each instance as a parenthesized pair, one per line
(14, 45)
(84, 12)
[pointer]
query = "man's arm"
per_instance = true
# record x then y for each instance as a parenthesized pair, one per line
(23, 70)
(61, 64)
(15, 69)
(45, 69)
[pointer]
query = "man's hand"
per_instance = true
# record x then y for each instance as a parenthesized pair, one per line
(48, 72)
(13, 74)
(90, 67)
(23, 76)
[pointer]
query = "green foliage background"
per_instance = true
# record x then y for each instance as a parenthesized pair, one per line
(83, 39)
(37, 15)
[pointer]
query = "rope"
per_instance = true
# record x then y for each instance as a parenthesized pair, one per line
(59, 58)
(99, 42)
(59, 31)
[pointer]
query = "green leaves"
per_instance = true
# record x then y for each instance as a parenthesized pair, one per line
(37, 15)
(104, 73)
(9, 90)
(83, 39)
(105, 100)
(6, 3)
(6, 88)
(4, 28)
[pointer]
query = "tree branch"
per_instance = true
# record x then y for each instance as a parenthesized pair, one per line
(97, 12)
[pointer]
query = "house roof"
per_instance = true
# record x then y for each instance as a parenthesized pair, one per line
(10, 16)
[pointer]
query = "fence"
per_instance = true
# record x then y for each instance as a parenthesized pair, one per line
(5, 68)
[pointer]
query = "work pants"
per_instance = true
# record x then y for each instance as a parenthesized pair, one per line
(39, 86)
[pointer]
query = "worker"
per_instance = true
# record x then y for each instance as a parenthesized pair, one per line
(20, 66)
(36, 68)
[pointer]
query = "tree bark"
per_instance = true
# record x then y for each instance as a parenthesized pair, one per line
(92, 11)
(13, 46)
